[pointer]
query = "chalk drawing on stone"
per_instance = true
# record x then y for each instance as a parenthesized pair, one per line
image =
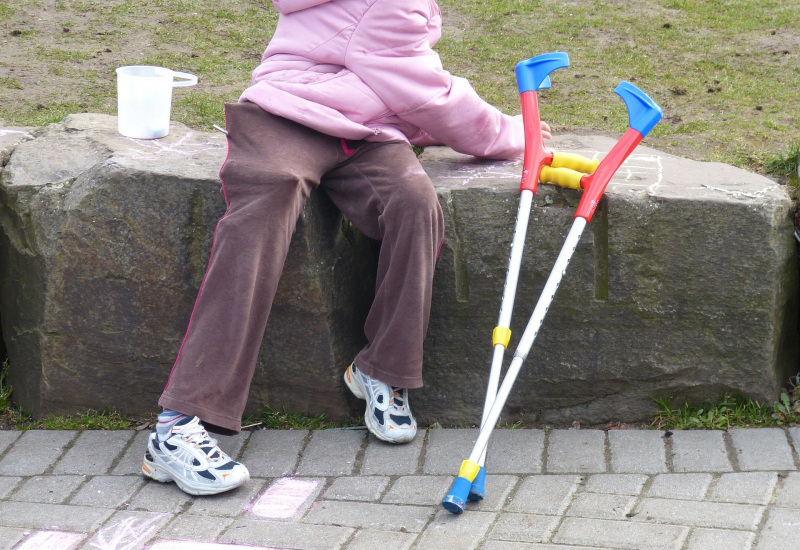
(743, 194)
(185, 147)
(51, 540)
(126, 534)
(9, 131)
(284, 498)
(194, 545)
(497, 170)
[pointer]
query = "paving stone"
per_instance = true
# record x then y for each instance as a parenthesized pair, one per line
(524, 528)
(365, 515)
(720, 539)
(331, 453)
(195, 528)
(600, 506)
(7, 438)
(10, 536)
(37, 515)
(166, 498)
(131, 461)
(287, 498)
(700, 514)
(228, 504)
(41, 540)
(273, 453)
(781, 531)
(637, 451)
(383, 458)
(45, 445)
(576, 451)
(503, 545)
(129, 530)
(497, 489)
(277, 534)
(762, 449)
(544, 494)
(789, 496)
(107, 491)
(94, 452)
(421, 490)
(680, 486)
(447, 449)
(370, 540)
(448, 531)
(745, 488)
(616, 484)
(232, 445)
(49, 489)
(794, 437)
(362, 488)
(8, 484)
(515, 452)
(699, 451)
(621, 534)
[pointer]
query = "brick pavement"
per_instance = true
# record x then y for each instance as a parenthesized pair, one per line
(343, 489)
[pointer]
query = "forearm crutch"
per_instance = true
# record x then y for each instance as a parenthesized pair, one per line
(565, 169)
(643, 114)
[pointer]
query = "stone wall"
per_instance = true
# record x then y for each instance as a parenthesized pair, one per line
(685, 283)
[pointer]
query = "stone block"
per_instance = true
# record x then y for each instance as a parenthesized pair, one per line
(684, 284)
(104, 243)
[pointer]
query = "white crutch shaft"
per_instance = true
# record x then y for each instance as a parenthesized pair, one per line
(528, 337)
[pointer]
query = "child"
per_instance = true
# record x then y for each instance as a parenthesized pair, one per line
(343, 90)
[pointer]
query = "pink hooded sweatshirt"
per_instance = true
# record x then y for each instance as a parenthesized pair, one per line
(364, 69)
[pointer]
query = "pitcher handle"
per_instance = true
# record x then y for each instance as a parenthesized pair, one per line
(189, 79)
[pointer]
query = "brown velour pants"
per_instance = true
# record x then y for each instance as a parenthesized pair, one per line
(273, 165)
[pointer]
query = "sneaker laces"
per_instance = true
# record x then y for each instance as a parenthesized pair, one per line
(196, 434)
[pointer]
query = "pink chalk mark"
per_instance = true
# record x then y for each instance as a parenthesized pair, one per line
(284, 498)
(51, 540)
(192, 545)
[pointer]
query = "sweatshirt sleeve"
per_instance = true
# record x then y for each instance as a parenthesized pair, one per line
(391, 52)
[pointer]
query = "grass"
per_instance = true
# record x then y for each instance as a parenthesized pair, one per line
(724, 73)
(729, 411)
(271, 419)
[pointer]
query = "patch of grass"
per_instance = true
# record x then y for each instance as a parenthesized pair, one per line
(729, 411)
(90, 420)
(785, 164)
(5, 389)
(271, 419)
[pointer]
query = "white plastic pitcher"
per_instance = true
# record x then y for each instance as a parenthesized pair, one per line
(144, 99)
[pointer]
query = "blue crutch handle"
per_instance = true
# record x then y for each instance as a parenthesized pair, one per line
(532, 73)
(643, 112)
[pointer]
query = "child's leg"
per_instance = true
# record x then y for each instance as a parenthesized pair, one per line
(385, 192)
(272, 166)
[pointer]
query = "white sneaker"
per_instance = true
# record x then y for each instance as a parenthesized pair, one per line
(388, 415)
(192, 459)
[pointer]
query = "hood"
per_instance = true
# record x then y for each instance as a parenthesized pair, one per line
(289, 6)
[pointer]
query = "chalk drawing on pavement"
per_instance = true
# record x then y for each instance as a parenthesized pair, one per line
(284, 498)
(127, 534)
(51, 540)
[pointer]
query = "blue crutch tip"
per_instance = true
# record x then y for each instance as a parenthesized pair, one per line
(456, 499)
(476, 491)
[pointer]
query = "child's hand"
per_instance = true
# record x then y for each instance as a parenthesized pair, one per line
(546, 131)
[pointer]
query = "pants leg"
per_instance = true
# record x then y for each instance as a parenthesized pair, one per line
(385, 192)
(272, 166)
